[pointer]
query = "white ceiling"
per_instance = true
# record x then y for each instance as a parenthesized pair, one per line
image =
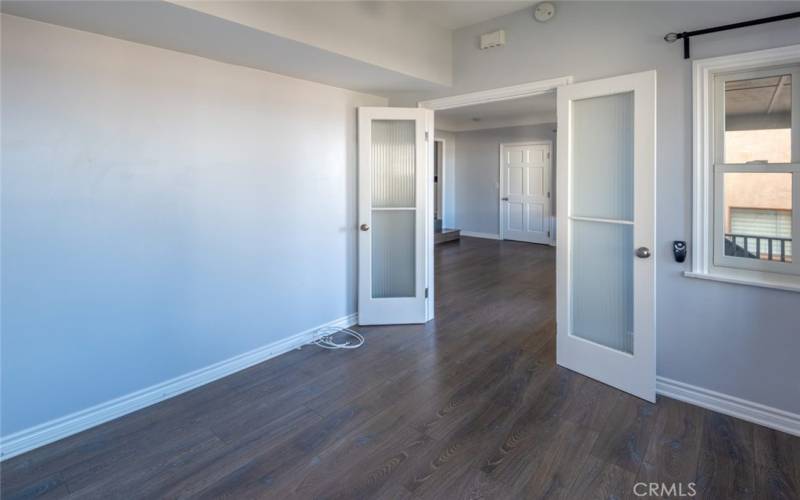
(515, 112)
(458, 14)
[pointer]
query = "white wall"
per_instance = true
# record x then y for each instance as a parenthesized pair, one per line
(382, 33)
(449, 205)
(478, 173)
(160, 212)
(735, 339)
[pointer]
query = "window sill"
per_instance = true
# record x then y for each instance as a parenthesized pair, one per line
(778, 282)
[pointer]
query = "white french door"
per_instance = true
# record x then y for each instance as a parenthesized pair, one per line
(525, 192)
(392, 208)
(606, 219)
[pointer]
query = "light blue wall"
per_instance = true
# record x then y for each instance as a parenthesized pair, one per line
(478, 172)
(738, 340)
(160, 213)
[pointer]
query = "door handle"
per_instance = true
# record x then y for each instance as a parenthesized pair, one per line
(504, 198)
(364, 227)
(643, 252)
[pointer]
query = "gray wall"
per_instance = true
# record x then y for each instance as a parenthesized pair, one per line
(160, 212)
(478, 172)
(735, 339)
(449, 205)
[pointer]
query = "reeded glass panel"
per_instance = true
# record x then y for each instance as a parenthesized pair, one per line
(393, 163)
(602, 283)
(758, 120)
(393, 257)
(757, 215)
(602, 157)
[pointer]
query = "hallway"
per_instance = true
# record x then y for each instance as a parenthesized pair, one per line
(470, 405)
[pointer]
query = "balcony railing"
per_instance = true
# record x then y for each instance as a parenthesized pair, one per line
(758, 247)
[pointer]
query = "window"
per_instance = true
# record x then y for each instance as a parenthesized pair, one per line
(757, 215)
(758, 233)
(747, 168)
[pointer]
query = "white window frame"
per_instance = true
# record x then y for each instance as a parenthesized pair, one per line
(707, 207)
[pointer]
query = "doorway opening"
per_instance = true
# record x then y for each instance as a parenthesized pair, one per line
(500, 167)
(605, 278)
(443, 226)
(604, 298)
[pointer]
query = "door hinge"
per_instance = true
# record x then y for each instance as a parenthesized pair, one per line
(548, 234)
(426, 292)
(548, 155)
(427, 136)
(548, 194)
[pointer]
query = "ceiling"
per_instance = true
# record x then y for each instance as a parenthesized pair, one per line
(168, 25)
(334, 57)
(458, 14)
(514, 112)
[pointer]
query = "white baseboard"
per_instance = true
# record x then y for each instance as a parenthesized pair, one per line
(48, 432)
(473, 234)
(729, 405)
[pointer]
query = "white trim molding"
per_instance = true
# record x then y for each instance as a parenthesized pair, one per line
(756, 413)
(491, 124)
(476, 234)
(704, 152)
(499, 94)
(765, 280)
(60, 428)
(456, 101)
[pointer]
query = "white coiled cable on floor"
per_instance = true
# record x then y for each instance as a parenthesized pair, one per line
(327, 333)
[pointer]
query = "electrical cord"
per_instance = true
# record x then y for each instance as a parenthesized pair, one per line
(326, 340)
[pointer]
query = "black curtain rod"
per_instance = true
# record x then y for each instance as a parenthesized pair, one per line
(686, 35)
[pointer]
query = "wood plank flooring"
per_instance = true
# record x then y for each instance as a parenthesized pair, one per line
(470, 405)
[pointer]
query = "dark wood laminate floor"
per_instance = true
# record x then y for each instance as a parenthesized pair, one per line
(470, 405)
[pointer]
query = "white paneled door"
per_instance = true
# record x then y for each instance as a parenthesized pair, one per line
(606, 237)
(392, 222)
(525, 192)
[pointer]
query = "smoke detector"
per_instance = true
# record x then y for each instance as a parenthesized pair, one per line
(544, 11)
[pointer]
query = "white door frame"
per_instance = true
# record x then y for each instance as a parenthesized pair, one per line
(549, 182)
(442, 158)
(538, 87)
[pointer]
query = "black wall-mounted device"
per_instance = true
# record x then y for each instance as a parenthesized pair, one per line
(679, 249)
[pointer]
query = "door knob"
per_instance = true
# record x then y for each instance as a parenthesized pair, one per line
(364, 227)
(504, 198)
(643, 252)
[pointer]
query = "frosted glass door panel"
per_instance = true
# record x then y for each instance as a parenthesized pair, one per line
(393, 260)
(393, 163)
(602, 283)
(394, 219)
(606, 231)
(602, 157)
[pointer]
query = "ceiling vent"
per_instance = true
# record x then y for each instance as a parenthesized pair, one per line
(494, 39)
